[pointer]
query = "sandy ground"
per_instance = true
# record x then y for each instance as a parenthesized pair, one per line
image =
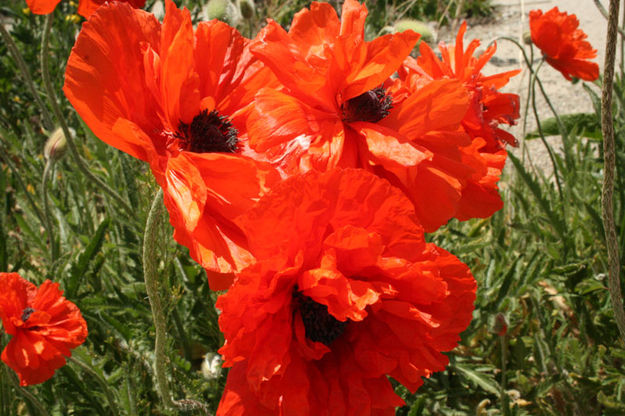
(511, 20)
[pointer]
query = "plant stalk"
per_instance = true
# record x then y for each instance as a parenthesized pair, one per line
(86, 368)
(47, 118)
(150, 274)
(82, 166)
(607, 190)
(54, 250)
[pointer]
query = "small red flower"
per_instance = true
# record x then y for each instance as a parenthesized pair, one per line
(45, 327)
(177, 98)
(85, 7)
(563, 44)
(345, 293)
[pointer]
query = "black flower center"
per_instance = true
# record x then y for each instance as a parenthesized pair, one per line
(372, 106)
(26, 313)
(208, 133)
(319, 324)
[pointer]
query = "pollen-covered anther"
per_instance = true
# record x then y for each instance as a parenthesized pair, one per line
(26, 313)
(372, 106)
(208, 132)
(319, 324)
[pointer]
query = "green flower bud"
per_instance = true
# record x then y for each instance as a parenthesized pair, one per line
(56, 146)
(216, 9)
(527, 37)
(420, 27)
(247, 9)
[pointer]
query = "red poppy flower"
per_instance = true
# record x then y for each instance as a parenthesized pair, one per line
(564, 46)
(45, 327)
(487, 110)
(345, 293)
(338, 107)
(178, 99)
(331, 79)
(85, 7)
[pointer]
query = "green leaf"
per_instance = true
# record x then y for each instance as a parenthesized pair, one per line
(480, 379)
(587, 123)
(79, 268)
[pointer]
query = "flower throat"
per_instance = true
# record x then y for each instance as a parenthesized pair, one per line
(319, 324)
(372, 106)
(208, 132)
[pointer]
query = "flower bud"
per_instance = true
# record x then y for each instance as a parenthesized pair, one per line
(527, 37)
(247, 9)
(500, 327)
(216, 9)
(421, 28)
(211, 366)
(56, 146)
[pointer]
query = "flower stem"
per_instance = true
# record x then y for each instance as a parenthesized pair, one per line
(82, 166)
(28, 395)
(87, 369)
(4, 155)
(543, 139)
(607, 190)
(150, 265)
(54, 251)
(47, 118)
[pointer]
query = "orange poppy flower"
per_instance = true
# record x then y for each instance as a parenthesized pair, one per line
(45, 327)
(338, 107)
(85, 7)
(345, 293)
(331, 79)
(488, 109)
(563, 44)
(178, 99)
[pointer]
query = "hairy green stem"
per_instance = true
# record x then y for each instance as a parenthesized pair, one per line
(107, 391)
(504, 363)
(604, 12)
(544, 140)
(82, 166)
(532, 92)
(54, 251)
(150, 274)
(4, 155)
(28, 395)
(47, 118)
(607, 190)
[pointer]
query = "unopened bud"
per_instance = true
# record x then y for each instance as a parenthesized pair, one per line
(527, 38)
(500, 327)
(56, 146)
(216, 9)
(421, 28)
(211, 366)
(247, 9)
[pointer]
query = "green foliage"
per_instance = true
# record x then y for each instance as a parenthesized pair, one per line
(539, 262)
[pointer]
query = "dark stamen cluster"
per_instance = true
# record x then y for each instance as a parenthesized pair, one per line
(372, 106)
(208, 133)
(320, 325)
(26, 313)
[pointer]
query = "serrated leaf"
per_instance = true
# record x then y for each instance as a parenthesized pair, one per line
(79, 268)
(480, 379)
